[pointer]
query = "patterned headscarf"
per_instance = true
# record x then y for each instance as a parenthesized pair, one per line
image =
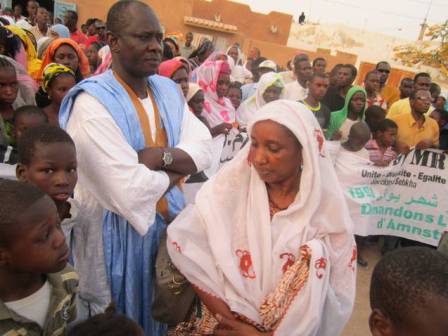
(84, 67)
(52, 71)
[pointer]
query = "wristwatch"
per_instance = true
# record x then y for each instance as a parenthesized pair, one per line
(167, 159)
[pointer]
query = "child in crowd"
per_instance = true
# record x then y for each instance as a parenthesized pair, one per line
(37, 286)
(235, 94)
(441, 116)
(25, 117)
(358, 136)
(108, 324)
(374, 116)
(47, 159)
(9, 88)
(195, 99)
(409, 293)
(381, 151)
(57, 81)
(372, 86)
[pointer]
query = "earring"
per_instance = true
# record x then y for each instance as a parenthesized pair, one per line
(301, 167)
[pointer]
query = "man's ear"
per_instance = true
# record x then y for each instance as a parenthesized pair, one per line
(379, 324)
(4, 257)
(21, 172)
(112, 41)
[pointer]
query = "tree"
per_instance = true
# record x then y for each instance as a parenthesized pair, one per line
(433, 53)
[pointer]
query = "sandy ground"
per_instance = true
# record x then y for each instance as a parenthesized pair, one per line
(358, 324)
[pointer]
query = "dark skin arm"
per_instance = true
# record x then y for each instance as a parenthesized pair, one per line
(182, 164)
(214, 304)
(228, 324)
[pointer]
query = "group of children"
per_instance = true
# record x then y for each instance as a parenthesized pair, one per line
(38, 288)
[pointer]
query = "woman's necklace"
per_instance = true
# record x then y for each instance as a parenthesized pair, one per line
(274, 207)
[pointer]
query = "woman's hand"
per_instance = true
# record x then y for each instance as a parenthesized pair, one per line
(223, 128)
(337, 135)
(236, 328)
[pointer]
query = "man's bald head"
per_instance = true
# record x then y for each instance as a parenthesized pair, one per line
(119, 16)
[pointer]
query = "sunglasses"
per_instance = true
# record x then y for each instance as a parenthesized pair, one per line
(384, 70)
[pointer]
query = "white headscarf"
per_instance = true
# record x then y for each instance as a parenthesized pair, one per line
(250, 106)
(227, 244)
(239, 71)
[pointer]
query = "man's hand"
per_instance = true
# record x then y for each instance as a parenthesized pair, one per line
(231, 327)
(424, 144)
(402, 148)
(151, 157)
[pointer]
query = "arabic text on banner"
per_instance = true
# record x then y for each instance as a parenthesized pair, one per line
(409, 198)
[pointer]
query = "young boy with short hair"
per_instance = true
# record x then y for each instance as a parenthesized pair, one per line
(374, 116)
(380, 148)
(358, 136)
(441, 116)
(37, 286)
(25, 117)
(409, 293)
(47, 159)
(107, 323)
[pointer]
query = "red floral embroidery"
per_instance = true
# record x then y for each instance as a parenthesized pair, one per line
(353, 258)
(177, 246)
(246, 265)
(320, 265)
(320, 140)
(290, 260)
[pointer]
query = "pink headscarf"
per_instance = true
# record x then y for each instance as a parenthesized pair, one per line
(216, 109)
(169, 67)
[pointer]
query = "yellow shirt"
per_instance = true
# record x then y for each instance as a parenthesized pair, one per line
(411, 134)
(403, 106)
(390, 94)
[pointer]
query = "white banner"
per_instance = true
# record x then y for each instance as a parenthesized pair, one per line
(409, 198)
(225, 147)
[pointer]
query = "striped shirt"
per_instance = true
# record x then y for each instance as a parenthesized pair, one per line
(62, 310)
(379, 156)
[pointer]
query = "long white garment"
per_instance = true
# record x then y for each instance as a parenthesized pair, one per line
(109, 174)
(248, 109)
(227, 244)
(295, 91)
(239, 72)
(110, 177)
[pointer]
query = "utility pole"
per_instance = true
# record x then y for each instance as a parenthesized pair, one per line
(424, 25)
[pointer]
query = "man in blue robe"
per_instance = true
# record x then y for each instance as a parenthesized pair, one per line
(135, 140)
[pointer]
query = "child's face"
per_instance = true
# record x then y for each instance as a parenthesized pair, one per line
(372, 83)
(429, 320)
(37, 243)
(8, 86)
(272, 93)
(357, 103)
(437, 117)
(222, 85)
(59, 88)
(388, 137)
(52, 170)
(197, 103)
(235, 97)
(25, 122)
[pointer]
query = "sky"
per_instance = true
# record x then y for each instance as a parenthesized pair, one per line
(401, 18)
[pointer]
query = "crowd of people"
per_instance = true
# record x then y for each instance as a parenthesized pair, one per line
(105, 125)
